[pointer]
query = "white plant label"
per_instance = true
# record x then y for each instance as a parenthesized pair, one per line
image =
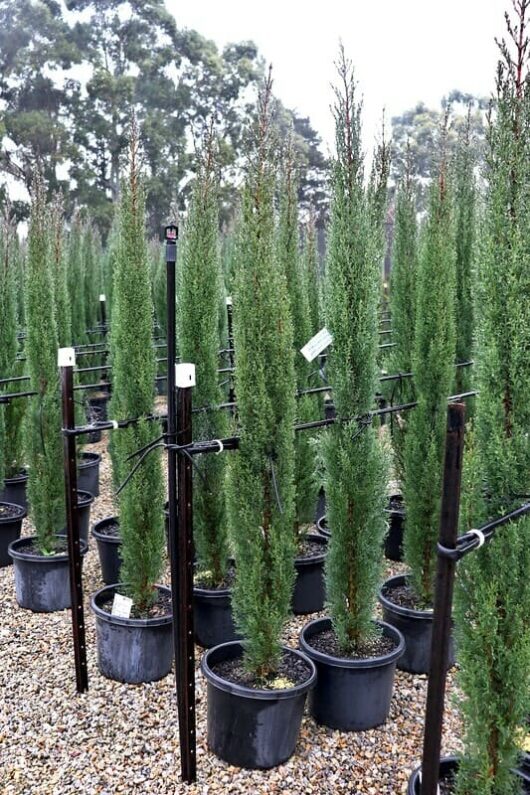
(122, 606)
(316, 345)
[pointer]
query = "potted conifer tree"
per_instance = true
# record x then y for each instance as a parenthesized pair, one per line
(308, 595)
(355, 655)
(15, 474)
(257, 688)
(137, 648)
(41, 560)
(11, 514)
(408, 599)
(403, 314)
(199, 292)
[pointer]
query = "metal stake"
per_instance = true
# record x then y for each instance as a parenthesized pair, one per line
(230, 321)
(441, 629)
(66, 360)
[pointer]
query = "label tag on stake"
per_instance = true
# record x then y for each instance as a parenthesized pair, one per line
(316, 345)
(121, 606)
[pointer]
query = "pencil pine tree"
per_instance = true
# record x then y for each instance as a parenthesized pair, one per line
(43, 441)
(493, 597)
(465, 229)
(403, 278)
(199, 307)
(433, 367)
(311, 270)
(291, 264)
(58, 265)
(134, 368)
(76, 282)
(355, 468)
(261, 488)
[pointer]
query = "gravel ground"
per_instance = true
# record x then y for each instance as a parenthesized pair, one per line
(124, 738)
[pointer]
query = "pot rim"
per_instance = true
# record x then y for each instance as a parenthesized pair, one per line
(299, 561)
(448, 761)
(156, 621)
(398, 511)
(90, 460)
(256, 693)
(346, 662)
(322, 526)
(409, 612)
(84, 498)
(103, 536)
(18, 554)
(10, 519)
(22, 477)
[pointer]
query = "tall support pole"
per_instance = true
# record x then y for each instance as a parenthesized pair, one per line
(443, 601)
(179, 530)
(185, 380)
(66, 361)
(103, 313)
(230, 322)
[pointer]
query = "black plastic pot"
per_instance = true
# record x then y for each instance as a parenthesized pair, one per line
(14, 490)
(99, 402)
(10, 529)
(254, 729)
(351, 695)
(309, 589)
(322, 527)
(449, 764)
(132, 650)
(94, 414)
(396, 521)
(41, 583)
(108, 550)
(321, 505)
(88, 473)
(414, 625)
(213, 618)
(84, 501)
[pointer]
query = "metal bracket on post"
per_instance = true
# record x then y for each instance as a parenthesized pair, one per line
(443, 601)
(66, 362)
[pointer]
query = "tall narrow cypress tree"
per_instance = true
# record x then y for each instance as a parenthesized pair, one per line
(493, 596)
(261, 492)
(43, 442)
(58, 264)
(91, 277)
(134, 368)
(311, 270)
(288, 253)
(12, 414)
(199, 308)
(355, 476)
(433, 367)
(403, 305)
(76, 281)
(465, 228)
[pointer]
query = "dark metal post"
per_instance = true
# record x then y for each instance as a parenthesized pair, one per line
(103, 312)
(230, 321)
(443, 601)
(185, 663)
(179, 428)
(66, 365)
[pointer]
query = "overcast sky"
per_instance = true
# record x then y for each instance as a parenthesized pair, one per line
(403, 50)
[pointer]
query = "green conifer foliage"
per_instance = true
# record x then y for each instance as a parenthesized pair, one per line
(261, 490)
(134, 367)
(433, 367)
(465, 227)
(91, 277)
(76, 281)
(311, 270)
(43, 441)
(403, 307)
(493, 596)
(199, 308)
(355, 476)
(58, 265)
(11, 443)
(291, 264)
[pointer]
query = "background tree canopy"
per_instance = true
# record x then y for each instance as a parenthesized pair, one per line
(73, 71)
